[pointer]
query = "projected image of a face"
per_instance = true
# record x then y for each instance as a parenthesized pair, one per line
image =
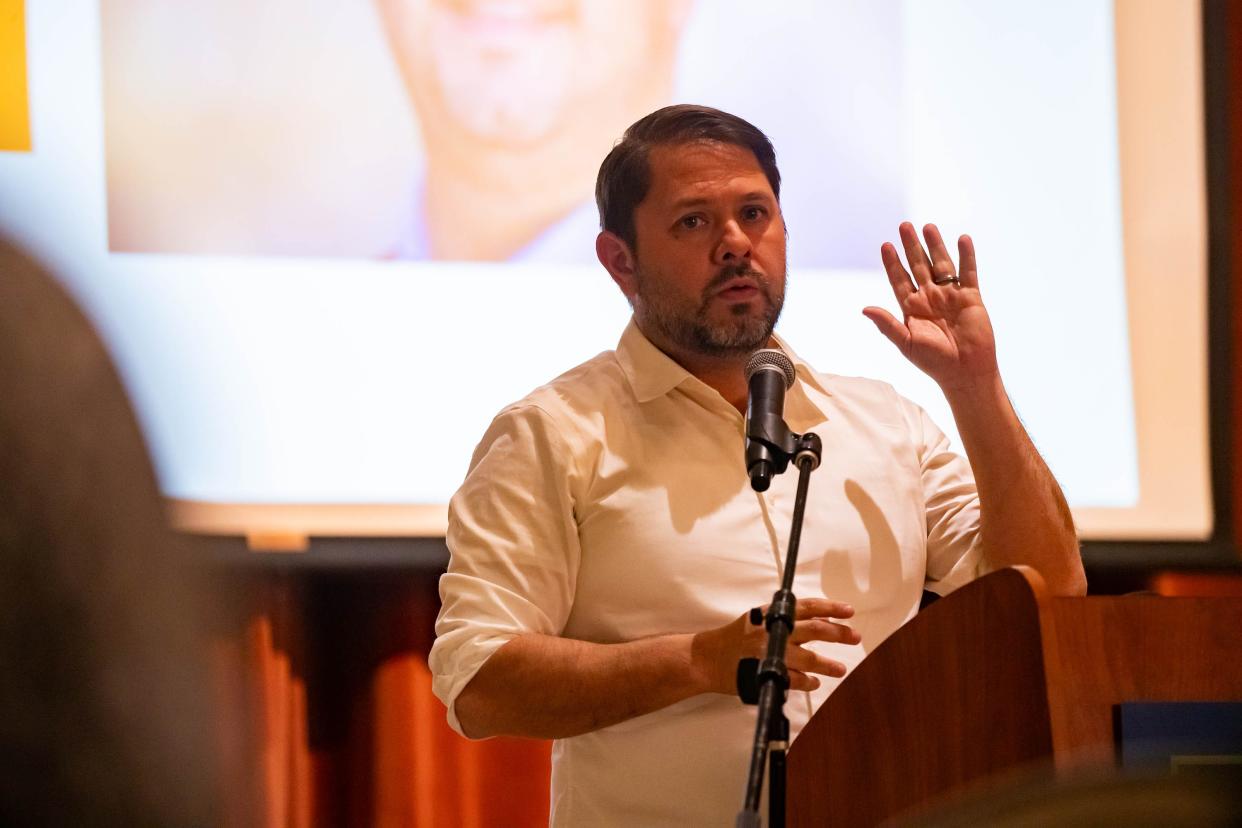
(510, 72)
(472, 130)
(516, 102)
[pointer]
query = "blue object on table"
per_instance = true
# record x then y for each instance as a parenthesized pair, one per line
(1191, 738)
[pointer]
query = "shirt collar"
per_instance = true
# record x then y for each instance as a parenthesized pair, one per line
(652, 373)
(804, 370)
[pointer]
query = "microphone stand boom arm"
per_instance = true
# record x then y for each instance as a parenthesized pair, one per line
(764, 683)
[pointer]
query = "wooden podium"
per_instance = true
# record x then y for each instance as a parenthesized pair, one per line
(1000, 676)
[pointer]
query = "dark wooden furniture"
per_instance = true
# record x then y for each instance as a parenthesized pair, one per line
(996, 678)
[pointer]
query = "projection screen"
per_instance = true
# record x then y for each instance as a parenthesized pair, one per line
(326, 242)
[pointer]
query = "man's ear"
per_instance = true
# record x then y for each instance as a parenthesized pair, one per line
(617, 258)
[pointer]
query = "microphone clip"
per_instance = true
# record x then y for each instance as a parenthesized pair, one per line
(770, 445)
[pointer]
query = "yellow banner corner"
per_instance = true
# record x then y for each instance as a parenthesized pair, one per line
(14, 95)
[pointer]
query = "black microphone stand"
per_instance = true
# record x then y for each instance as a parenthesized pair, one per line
(764, 683)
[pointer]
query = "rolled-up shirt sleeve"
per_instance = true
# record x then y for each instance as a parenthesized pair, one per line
(954, 551)
(514, 549)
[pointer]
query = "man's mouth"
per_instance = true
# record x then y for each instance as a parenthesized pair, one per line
(738, 284)
(740, 290)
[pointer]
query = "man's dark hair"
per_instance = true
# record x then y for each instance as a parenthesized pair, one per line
(625, 176)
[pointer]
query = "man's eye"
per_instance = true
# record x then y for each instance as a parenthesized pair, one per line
(753, 213)
(691, 222)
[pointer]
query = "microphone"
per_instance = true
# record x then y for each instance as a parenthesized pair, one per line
(769, 442)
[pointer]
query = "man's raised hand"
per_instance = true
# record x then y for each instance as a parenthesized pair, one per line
(945, 329)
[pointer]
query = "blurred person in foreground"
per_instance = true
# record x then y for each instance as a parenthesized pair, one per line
(606, 543)
(104, 714)
(516, 101)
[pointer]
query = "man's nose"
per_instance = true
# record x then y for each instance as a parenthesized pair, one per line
(734, 244)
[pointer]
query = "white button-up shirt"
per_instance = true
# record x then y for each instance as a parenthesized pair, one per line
(613, 503)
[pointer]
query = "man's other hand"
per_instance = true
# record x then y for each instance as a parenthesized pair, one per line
(715, 653)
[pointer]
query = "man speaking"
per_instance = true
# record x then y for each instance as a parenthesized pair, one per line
(607, 545)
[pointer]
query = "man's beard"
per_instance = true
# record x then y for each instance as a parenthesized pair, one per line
(744, 333)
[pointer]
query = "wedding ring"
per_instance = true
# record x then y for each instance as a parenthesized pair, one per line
(946, 280)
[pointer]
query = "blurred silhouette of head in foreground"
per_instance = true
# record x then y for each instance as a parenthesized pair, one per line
(103, 705)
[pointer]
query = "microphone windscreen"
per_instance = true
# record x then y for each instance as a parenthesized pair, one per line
(768, 359)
